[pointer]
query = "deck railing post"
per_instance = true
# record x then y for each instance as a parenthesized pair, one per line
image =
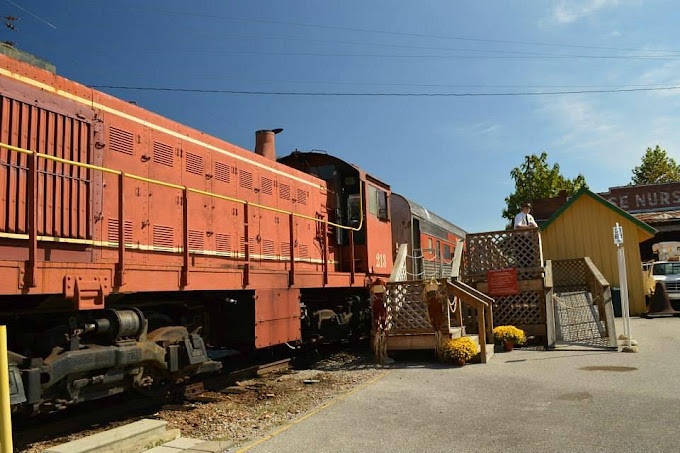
(246, 246)
(482, 332)
(32, 218)
(120, 271)
(185, 238)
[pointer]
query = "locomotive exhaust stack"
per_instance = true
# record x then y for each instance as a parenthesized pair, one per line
(265, 143)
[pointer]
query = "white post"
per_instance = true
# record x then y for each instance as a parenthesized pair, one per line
(623, 282)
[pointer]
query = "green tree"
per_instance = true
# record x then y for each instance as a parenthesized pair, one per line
(535, 179)
(656, 167)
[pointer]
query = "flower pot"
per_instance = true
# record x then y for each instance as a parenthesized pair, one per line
(508, 345)
(459, 362)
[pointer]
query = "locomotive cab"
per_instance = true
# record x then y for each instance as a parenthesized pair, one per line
(356, 200)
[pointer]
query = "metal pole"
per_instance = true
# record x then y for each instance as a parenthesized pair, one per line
(623, 281)
(6, 432)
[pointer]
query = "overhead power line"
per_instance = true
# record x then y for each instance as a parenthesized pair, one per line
(396, 33)
(385, 94)
(403, 46)
(425, 56)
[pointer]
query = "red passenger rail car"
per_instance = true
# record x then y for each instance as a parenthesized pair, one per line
(134, 251)
(431, 240)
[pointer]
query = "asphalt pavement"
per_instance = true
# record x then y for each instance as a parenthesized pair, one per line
(572, 400)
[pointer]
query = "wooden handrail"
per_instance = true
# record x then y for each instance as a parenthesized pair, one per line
(596, 272)
(481, 302)
(548, 277)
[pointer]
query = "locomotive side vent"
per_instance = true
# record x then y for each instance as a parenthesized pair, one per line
(194, 164)
(112, 235)
(301, 196)
(222, 171)
(163, 236)
(63, 191)
(268, 248)
(245, 179)
(267, 186)
(285, 248)
(251, 245)
(162, 154)
(223, 243)
(284, 191)
(196, 240)
(121, 141)
(304, 251)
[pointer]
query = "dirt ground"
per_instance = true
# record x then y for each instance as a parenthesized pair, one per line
(252, 407)
(261, 404)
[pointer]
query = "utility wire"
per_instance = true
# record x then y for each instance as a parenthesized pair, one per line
(309, 93)
(395, 33)
(34, 15)
(399, 46)
(444, 57)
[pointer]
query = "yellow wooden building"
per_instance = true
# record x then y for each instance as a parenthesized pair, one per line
(584, 227)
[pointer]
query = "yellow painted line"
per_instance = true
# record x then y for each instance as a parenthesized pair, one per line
(315, 411)
(154, 248)
(95, 105)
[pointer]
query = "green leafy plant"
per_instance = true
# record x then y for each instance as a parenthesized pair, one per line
(501, 334)
(535, 179)
(459, 349)
(656, 167)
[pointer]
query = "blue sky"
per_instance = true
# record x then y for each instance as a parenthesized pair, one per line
(451, 154)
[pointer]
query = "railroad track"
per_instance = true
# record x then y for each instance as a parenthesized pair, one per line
(124, 409)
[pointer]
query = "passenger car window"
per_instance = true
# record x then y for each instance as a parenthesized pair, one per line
(447, 251)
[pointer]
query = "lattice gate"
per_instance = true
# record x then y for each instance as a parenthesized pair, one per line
(584, 314)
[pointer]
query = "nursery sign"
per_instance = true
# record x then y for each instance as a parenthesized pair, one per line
(502, 282)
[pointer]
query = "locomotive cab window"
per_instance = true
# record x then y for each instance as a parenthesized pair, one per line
(354, 210)
(377, 203)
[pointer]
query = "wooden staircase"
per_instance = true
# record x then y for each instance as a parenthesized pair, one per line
(409, 326)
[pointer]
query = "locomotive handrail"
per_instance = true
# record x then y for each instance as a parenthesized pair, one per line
(190, 189)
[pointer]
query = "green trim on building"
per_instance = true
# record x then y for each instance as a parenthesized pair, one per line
(605, 203)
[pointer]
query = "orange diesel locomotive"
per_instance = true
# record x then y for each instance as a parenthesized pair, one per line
(134, 251)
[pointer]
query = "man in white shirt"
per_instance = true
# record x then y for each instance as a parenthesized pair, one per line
(524, 219)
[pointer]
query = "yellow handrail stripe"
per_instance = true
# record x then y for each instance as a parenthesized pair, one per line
(154, 181)
(78, 164)
(214, 195)
(189, 189)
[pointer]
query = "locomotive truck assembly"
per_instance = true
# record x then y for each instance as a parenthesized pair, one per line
(136, 252)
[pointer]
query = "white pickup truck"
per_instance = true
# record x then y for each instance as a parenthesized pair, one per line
(669, 273)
